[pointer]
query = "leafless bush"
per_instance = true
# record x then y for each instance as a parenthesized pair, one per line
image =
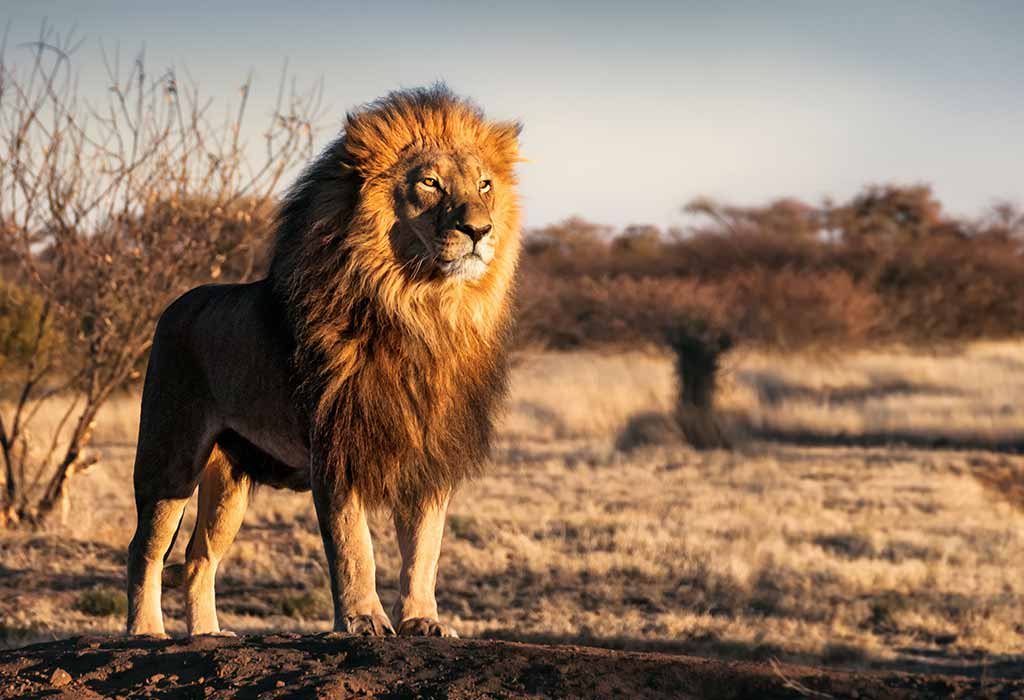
(689, 317)
(1005, 481)
(107, 212)
(648, 428)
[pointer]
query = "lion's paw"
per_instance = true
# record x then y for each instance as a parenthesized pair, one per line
(426, 627)
(369, 626)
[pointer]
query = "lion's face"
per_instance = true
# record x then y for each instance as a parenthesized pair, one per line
(444, 204)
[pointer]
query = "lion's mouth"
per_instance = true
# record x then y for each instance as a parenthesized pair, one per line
(467, 267)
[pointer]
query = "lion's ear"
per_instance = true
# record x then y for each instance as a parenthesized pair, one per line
(503, 143)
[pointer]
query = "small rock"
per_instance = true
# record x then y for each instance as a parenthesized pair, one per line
(59, 678)
(279, 684)
(156, 678)
(87, 642)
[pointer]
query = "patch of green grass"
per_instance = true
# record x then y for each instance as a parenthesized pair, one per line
(102, 602)
(466, 527)
(305, 605)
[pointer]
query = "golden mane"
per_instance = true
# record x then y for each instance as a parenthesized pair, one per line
(399, 369)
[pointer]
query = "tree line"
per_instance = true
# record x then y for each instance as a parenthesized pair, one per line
(889, 265)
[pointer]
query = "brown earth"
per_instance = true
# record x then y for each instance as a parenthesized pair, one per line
(335, 666)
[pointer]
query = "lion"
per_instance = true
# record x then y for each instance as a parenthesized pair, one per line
(366, 367)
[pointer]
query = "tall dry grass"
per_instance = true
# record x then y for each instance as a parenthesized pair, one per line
(887, 556)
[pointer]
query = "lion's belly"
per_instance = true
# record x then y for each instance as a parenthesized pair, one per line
(267, 460)
(287, 449)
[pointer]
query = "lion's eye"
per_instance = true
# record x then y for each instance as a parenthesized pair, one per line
(429, 182)
(485, 185)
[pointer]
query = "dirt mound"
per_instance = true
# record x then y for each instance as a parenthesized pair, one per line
(335, 666)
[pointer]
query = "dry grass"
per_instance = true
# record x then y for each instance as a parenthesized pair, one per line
(889, 556)
(968, 397)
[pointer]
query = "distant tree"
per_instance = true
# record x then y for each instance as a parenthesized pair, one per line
(787, 217)
(1003, 222)
(886, 216)
(573, 236)
(639, 240)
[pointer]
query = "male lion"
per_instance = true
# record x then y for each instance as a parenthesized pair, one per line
(366, 367)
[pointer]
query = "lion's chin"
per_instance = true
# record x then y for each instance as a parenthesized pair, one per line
(468, 268)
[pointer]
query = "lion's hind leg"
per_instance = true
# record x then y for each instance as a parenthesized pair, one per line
(223, 498)
(163, 485)
(175, 439)
(158, 521)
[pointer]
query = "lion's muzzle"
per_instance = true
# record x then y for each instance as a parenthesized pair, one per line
(467, 249)
(463, 257)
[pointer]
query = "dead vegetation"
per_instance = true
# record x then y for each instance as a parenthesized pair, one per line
(107, 212)
(865, 515)
(882, 556)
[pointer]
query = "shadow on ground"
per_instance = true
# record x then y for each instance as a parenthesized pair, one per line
(915, 660)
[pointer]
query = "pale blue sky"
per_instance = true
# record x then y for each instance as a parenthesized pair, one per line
(633, 108)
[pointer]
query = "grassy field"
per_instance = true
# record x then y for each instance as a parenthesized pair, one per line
(882, 551)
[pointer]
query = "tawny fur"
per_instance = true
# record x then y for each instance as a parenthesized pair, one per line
(366, 367)
(401, 369)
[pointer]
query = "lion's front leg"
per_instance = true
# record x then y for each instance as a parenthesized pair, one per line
(420, 530)
(346, 536)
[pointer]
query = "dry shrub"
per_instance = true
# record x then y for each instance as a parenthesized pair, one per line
(305, 606)
(791, 309)
(567, 313)
(698, 352)
(951, 289)
(107, 213)
(1004, 481)
(648, 429)
(685, 315)
(888, 265)
(102, 602)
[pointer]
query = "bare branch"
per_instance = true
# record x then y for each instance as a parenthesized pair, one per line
(107, 212)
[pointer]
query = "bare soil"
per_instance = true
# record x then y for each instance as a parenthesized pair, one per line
(336, 666)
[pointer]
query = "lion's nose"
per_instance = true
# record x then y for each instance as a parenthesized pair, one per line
(474, 231)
